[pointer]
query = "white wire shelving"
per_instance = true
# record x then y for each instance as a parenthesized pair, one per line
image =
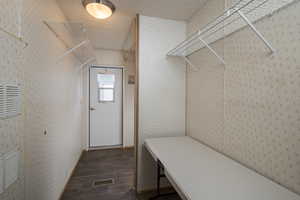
(242, 13)
(74, 37)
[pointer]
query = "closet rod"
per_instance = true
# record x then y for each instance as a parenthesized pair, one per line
(14, 36)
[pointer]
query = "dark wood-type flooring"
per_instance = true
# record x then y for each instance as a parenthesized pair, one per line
(105, 175)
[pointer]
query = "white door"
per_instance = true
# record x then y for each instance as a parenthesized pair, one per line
(106, 91)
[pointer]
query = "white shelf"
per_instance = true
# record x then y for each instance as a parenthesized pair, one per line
(74, 37)
(198, 172)
(241, 14)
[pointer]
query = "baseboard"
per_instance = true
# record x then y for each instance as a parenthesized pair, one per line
(105, 148)
(71, 174)
(129, 147)
(154, 190)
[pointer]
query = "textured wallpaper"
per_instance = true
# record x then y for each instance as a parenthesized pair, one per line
(51, 97)
(262, 98)
(52, 103)
(11, 72)
(249, 108)
(205, 87)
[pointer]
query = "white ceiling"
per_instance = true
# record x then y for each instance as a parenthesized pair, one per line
(111, 33)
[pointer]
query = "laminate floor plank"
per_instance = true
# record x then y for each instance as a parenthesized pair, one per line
(105, 175)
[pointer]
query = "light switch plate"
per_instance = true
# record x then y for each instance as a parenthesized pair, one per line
(11, 168)
(1, 175)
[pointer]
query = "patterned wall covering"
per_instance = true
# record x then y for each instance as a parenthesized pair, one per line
(256, 94)
(53, 104)
(262, 98)
(11, 72)
(10, 16)
(205, 87)
(51, 101)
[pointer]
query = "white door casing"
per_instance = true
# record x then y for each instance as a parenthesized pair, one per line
(106, 99)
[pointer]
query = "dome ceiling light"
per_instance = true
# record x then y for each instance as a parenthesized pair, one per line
(100, 9)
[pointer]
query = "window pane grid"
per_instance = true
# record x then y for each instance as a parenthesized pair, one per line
(106, 85)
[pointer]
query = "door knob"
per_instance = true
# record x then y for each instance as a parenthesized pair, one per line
(91, 108)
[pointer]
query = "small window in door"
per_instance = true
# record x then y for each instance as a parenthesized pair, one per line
(106, 87)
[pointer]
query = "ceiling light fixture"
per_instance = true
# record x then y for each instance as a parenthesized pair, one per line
(100, 9)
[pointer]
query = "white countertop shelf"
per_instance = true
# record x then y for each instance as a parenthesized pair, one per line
(198, 172)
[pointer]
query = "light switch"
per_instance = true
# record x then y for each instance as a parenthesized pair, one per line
(11, 168)
(1, 175)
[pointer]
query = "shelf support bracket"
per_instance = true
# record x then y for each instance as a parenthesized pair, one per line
(85, 63)
(72, 49)
(18, 38)
(190, 63)
(256, 31)
(212, 50)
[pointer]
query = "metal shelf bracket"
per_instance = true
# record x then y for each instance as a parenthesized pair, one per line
(243, 16)
(18, 38)
(73, 49)
(190, 63)
(230, 21)
(212, 50)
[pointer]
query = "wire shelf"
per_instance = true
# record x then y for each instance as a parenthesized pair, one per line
(230, 21)
(74, 37)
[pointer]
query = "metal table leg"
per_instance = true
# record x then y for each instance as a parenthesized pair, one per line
(160, 174)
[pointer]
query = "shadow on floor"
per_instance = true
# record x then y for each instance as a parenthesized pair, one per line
(148, 195)
(105, 175)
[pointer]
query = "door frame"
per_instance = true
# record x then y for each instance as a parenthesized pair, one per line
(89, 105)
